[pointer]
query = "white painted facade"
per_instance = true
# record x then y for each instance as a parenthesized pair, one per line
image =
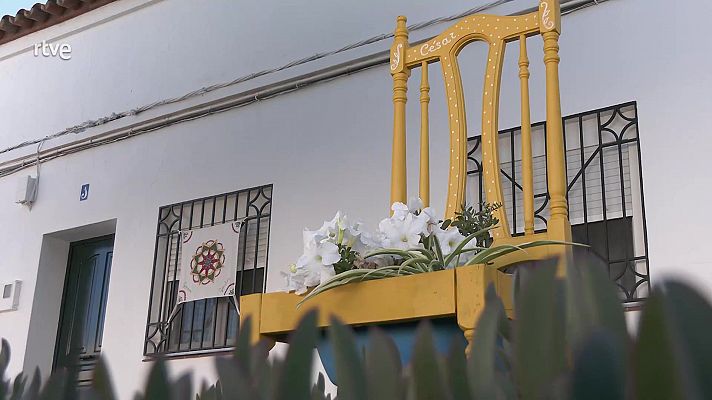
(324, 148)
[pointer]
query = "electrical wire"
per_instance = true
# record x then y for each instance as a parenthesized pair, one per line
(375, 61)
(207, 89)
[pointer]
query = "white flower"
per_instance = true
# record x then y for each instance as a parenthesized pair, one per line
(323, 254)
(403, 230)
(400, 210)
(415, 207)
(351, 235)
(340, 231)
(330, 229)
(449, 239)
(312, 238)
(317, 262)
(295, 279)
(415, 204)
(402, 234)
(372, 241)
(432, 222)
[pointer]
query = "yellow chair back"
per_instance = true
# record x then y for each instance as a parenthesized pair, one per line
(497, 32)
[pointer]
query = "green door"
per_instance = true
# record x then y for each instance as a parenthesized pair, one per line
(81, 322)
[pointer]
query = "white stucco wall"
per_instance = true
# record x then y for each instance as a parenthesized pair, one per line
(324, 148)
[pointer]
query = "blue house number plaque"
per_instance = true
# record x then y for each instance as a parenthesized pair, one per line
(84, 194)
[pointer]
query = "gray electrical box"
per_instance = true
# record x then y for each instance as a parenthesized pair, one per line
(27, 190)
(10, 295)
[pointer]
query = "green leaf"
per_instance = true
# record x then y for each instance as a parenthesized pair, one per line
(593, 303)
(294, 377)
(4, 362)
(438, 250)
(492, 253)
(350, 373)
(101, 381)
(461, 246)
(598, 370)
(391, 269)
(506, 387)
(539, 333)
(234, 380)
(158, 386)
(484, 347)
(219, 390)
(673, 340)
(319, 388)
(421, 264)
(262, 370)
(383, 368)
(55, 386)
(18, 387)
(354, 275)
(33, 391)
(428, 379)
(207, 393)
(429, 254)
(457, 374)
(183, 387)
(390, 252)
(243, 350)
(657, 374)
(691, 316)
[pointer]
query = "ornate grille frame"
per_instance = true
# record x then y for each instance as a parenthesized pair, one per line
(219, 318)
(633, 281)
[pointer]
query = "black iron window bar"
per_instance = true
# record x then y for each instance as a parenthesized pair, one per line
(605, 188)
(208, 324)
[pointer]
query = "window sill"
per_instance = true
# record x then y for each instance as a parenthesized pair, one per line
(633, 305)
(223, 351)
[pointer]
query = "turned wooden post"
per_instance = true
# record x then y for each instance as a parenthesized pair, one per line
(527, 167)
(558, 226)
(424, 136)
(400, 75)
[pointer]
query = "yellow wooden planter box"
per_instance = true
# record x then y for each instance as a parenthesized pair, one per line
(458, 292)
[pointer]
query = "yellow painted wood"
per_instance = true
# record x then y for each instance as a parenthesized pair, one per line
(496, 31)
(550, 16)
(404, 298)
(558, 226)
(399, 191)
(505, 290)
(424, 136)
(472, 283)
(444, 48)
(527, 160)
(251, 307)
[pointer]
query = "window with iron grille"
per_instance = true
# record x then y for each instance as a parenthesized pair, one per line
(207, 324)
(605, 188)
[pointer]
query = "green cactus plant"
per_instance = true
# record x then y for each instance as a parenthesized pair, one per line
(569, 341)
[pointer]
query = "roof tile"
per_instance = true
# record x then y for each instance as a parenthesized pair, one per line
(41, 16)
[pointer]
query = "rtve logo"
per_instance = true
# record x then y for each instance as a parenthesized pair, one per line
(61, 50)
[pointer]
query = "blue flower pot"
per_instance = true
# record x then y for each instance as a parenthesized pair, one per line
(445, 332)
